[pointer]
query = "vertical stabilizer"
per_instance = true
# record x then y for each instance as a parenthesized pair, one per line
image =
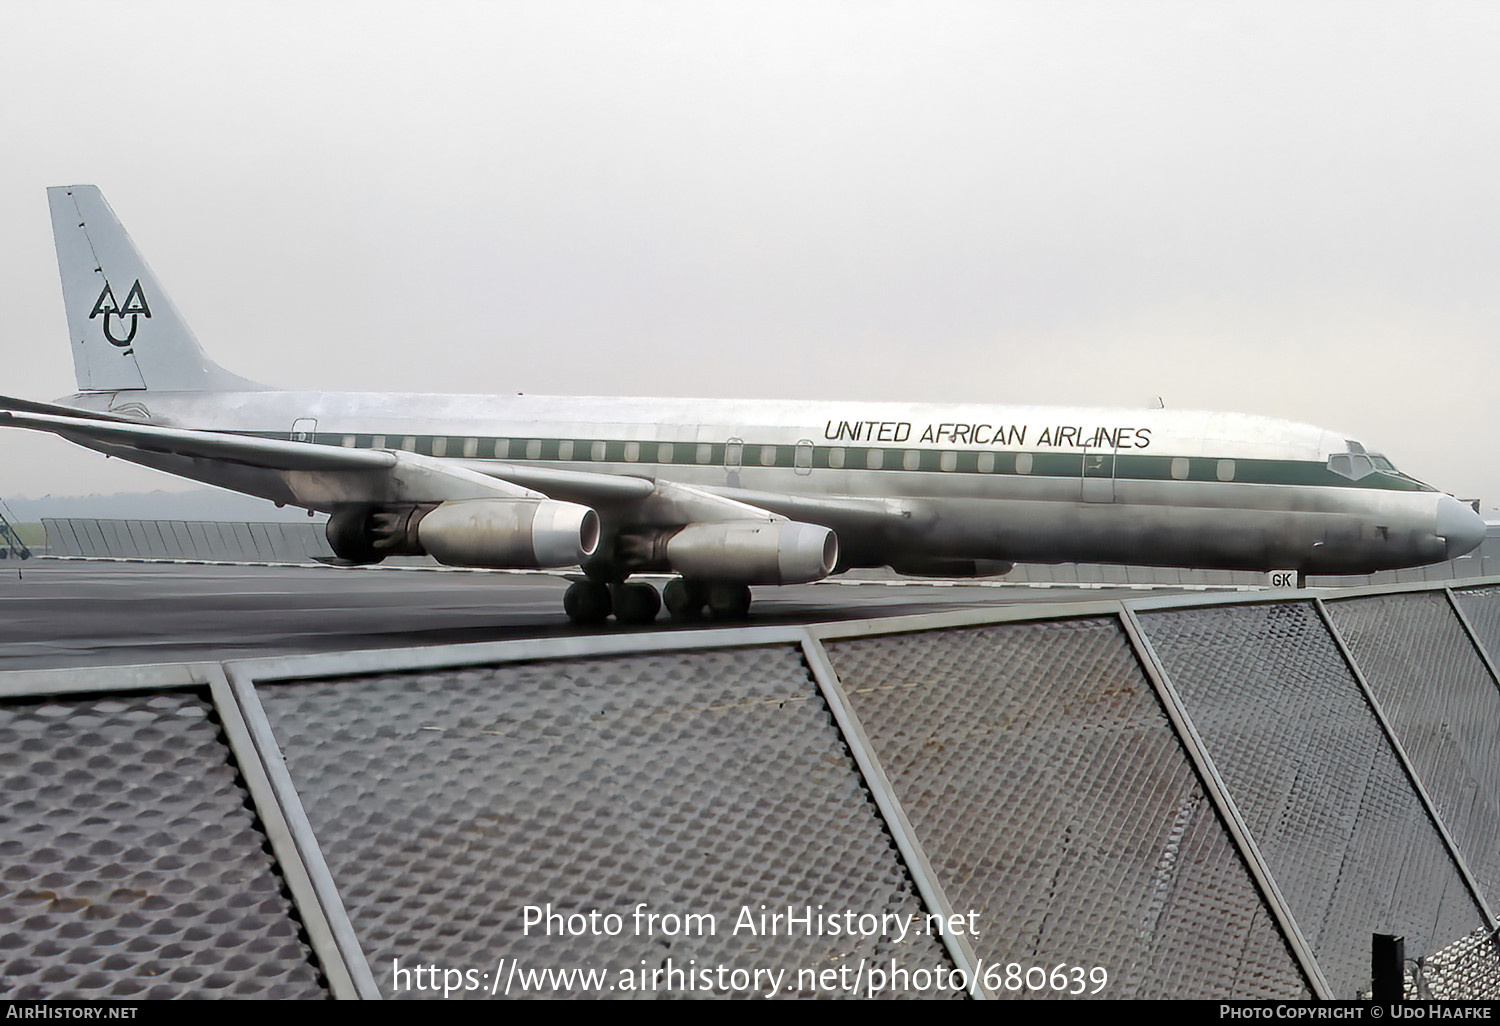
(124, 331)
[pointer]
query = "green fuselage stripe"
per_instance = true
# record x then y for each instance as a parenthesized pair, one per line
(735, 456)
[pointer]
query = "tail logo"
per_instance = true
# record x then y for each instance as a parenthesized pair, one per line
(135, 307)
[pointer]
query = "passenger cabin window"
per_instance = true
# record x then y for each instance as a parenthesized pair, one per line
(596, 451)
(409, 443)
(768, 455)
(836, 458)
(874, 458)
(1180, 468)
(471, 447)
(440, 446)
(565, 449)
(632, 451)
(502, 448)
(664, 452)
(705, 453)
(1226, 470)
(377, 442)
(912, 460)
(348, 441)
(534, 449)
(948, 461)
(986, 463)
(1023, 463)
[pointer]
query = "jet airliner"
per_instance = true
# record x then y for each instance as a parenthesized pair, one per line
(721, 494)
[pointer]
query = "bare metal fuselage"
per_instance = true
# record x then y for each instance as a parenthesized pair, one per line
(905, 485)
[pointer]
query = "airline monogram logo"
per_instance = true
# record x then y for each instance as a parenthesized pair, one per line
(135, 308)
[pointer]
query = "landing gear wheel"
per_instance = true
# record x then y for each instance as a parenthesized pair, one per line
(685, 599)
(636, 603)
(587, 603)
(729, 601)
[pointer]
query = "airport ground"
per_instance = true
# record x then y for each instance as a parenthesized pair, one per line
(394, 782)
(56, 613)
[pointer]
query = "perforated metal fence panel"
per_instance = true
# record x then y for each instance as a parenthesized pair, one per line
(1054, 798)
(182, 539)
(1322, 791)
(132, 866)
(1445, 708)
(713, 785)
(709, 799)
(1466, 970)
(1481, 607)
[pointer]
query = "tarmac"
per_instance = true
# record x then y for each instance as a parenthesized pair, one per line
(61, 613)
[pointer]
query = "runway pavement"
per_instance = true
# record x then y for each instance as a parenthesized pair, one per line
(58, 613)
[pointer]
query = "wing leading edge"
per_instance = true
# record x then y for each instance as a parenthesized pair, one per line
(410, 477)
(398, 476)
(316, 476)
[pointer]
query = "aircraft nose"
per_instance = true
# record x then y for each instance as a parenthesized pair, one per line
(1460, 526)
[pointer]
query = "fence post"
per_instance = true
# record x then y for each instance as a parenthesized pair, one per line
(1387, 972)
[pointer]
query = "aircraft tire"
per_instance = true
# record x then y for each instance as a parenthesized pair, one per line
(587, 603)
(729, 601)
(636, 603)
(684, 600)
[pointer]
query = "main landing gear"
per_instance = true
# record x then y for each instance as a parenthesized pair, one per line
(590, 602)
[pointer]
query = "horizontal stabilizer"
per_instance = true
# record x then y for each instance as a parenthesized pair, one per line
(30, 406)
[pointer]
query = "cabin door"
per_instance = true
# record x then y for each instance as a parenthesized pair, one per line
(1097, 483)
(802, 460)
(304, 428)
(734, 453)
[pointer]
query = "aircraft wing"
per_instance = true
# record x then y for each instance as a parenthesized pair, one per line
(589, 488)
(865, 511)
(318, 476)
(30, 406)
(666, 503)
(322, 476)
(646, 500)
(255, 452)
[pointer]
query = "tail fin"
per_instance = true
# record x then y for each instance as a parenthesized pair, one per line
(125, 331)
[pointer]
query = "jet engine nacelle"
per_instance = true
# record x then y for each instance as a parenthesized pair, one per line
(367, 534)
(508, 534)
(754, 551)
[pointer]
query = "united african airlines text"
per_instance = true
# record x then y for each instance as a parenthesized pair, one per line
(1050, 436)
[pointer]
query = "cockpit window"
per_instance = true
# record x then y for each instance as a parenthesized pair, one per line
(1359, 463)
(1351, 465)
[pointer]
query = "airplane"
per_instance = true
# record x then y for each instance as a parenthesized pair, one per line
(723, 494)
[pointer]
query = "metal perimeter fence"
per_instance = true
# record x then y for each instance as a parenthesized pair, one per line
(1184, 797)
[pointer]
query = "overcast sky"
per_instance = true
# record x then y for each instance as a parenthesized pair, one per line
(1281, 208)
